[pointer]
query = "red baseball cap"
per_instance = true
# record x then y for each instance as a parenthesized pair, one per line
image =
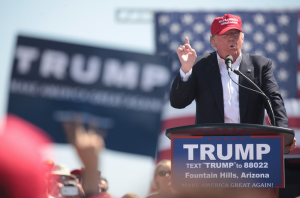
(220, 25)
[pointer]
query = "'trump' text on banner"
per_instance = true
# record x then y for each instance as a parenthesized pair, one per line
(122, 91)
(227, 161)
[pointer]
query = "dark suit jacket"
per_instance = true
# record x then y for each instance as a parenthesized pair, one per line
(205, 86)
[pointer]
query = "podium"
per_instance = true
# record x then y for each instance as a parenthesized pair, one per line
(229, 156)
(220, 129)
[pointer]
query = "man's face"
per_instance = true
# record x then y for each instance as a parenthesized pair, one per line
(102, 186)
(56, 182)
(230, 43)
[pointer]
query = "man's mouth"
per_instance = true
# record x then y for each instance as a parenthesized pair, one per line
(231, 46)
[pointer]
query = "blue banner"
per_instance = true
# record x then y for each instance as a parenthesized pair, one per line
(228, 161)
(122, 92)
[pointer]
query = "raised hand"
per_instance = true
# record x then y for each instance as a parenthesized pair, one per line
(88, 143)
(187, 56)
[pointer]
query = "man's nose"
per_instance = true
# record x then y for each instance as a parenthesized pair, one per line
(231, 36)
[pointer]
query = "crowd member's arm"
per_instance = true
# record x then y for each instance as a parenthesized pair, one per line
(88, 144)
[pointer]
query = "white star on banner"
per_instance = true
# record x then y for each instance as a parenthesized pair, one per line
(283, 38)
(259, 19)
(163, 37)
(206, 36)
(209, 18)
(274, 64)
(174, 45)
(282, 56)
(186, 34)
(270, 46)
(258, 37)
(199, 28)
(164, 19)
(284, 20)
(247, 27)
(259, 52)
(175, 28)
(247, 46)
(187, 19)
(282, 75)
(198, 46)
(271, 28)
(284, 93)
(175, 65)
(208, 51)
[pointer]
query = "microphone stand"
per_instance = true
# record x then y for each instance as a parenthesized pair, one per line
(260, 91)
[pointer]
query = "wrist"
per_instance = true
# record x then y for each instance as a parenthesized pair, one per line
(185, 70)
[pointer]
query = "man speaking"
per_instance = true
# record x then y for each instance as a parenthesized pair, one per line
(218, 99)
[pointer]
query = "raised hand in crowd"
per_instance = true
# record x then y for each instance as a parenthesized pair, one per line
(88, 144)
(187, 56)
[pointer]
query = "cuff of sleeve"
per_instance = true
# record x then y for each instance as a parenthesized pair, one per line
(185, 76)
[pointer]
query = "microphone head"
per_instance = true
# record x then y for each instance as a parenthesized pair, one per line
(228, 58)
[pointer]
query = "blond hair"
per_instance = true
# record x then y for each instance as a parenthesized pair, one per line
(212, 37)
(161, 163)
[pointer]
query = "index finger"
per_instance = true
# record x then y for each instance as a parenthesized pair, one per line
(187, 40)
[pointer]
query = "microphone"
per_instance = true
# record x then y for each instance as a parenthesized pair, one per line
(228, 62)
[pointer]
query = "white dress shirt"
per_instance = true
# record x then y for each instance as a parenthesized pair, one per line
(230, 89)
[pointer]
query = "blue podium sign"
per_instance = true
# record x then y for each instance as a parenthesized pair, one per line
(227, 162)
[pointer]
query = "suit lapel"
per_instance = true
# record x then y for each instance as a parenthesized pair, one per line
(214, 78)
(248, 70)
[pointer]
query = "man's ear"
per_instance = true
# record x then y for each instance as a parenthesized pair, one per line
(243, 39)
(214, 43)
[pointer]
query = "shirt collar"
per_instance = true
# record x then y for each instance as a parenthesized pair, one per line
(237, 61)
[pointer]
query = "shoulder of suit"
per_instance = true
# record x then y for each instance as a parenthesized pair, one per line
(256, 59)
(201, 60)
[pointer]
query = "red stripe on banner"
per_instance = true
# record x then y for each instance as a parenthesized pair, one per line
(294, 122)
(295, 151)
(176, 122)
